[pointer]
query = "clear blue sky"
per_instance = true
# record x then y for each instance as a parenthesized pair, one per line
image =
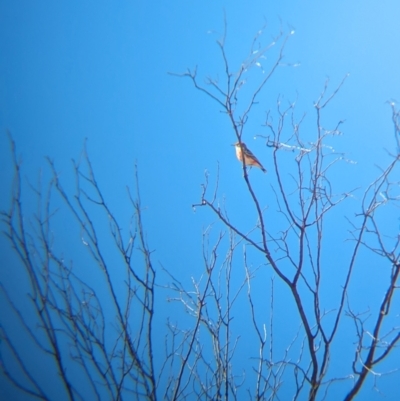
(72, 70)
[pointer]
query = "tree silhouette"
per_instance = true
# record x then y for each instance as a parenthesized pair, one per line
(99, 331)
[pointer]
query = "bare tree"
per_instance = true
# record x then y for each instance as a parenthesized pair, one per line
(294, 248)
(94, 316)
(69, 311)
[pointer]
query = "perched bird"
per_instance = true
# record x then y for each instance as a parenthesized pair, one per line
(249, 158)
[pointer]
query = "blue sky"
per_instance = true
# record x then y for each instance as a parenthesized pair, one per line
(72, 70)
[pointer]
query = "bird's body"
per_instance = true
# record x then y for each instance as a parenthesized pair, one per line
(249, 158)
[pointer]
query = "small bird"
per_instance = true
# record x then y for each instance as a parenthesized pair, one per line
(249, 158)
